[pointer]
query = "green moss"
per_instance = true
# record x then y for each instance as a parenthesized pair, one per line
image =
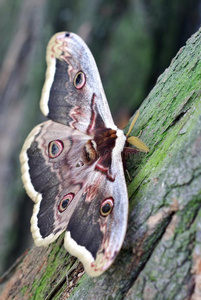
(177, 96)
(153, 276)
(53, 272)
(187, 216)
(23, 290)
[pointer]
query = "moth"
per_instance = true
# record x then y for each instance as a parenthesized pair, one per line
(72, 164)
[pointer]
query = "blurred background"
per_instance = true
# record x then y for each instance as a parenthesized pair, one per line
(133, 41)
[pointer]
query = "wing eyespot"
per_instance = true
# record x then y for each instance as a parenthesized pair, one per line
(65, 201)
(106, 207)
(79, 80)
(55, 148)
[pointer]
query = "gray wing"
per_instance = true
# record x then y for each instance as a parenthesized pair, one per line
(73, 94)
(57, 170)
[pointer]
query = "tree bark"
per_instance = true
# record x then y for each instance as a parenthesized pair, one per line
(161, 255)
(25, 28)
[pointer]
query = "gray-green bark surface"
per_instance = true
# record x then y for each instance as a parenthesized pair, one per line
(161, 255)
(132, 42)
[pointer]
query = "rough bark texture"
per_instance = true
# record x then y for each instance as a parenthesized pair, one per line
(161, 256)
(132, 42)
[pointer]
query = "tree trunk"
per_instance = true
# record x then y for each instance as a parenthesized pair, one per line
(161, 255)
(25, 28)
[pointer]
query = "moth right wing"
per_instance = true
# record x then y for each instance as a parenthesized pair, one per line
(73, 94)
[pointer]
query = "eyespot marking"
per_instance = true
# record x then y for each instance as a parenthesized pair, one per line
(55, 148)
(79, 80)
(65, 201)
(106, 207)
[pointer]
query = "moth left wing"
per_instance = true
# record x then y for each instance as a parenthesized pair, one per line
(73, 94)
(73, 190)
(49, 154)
